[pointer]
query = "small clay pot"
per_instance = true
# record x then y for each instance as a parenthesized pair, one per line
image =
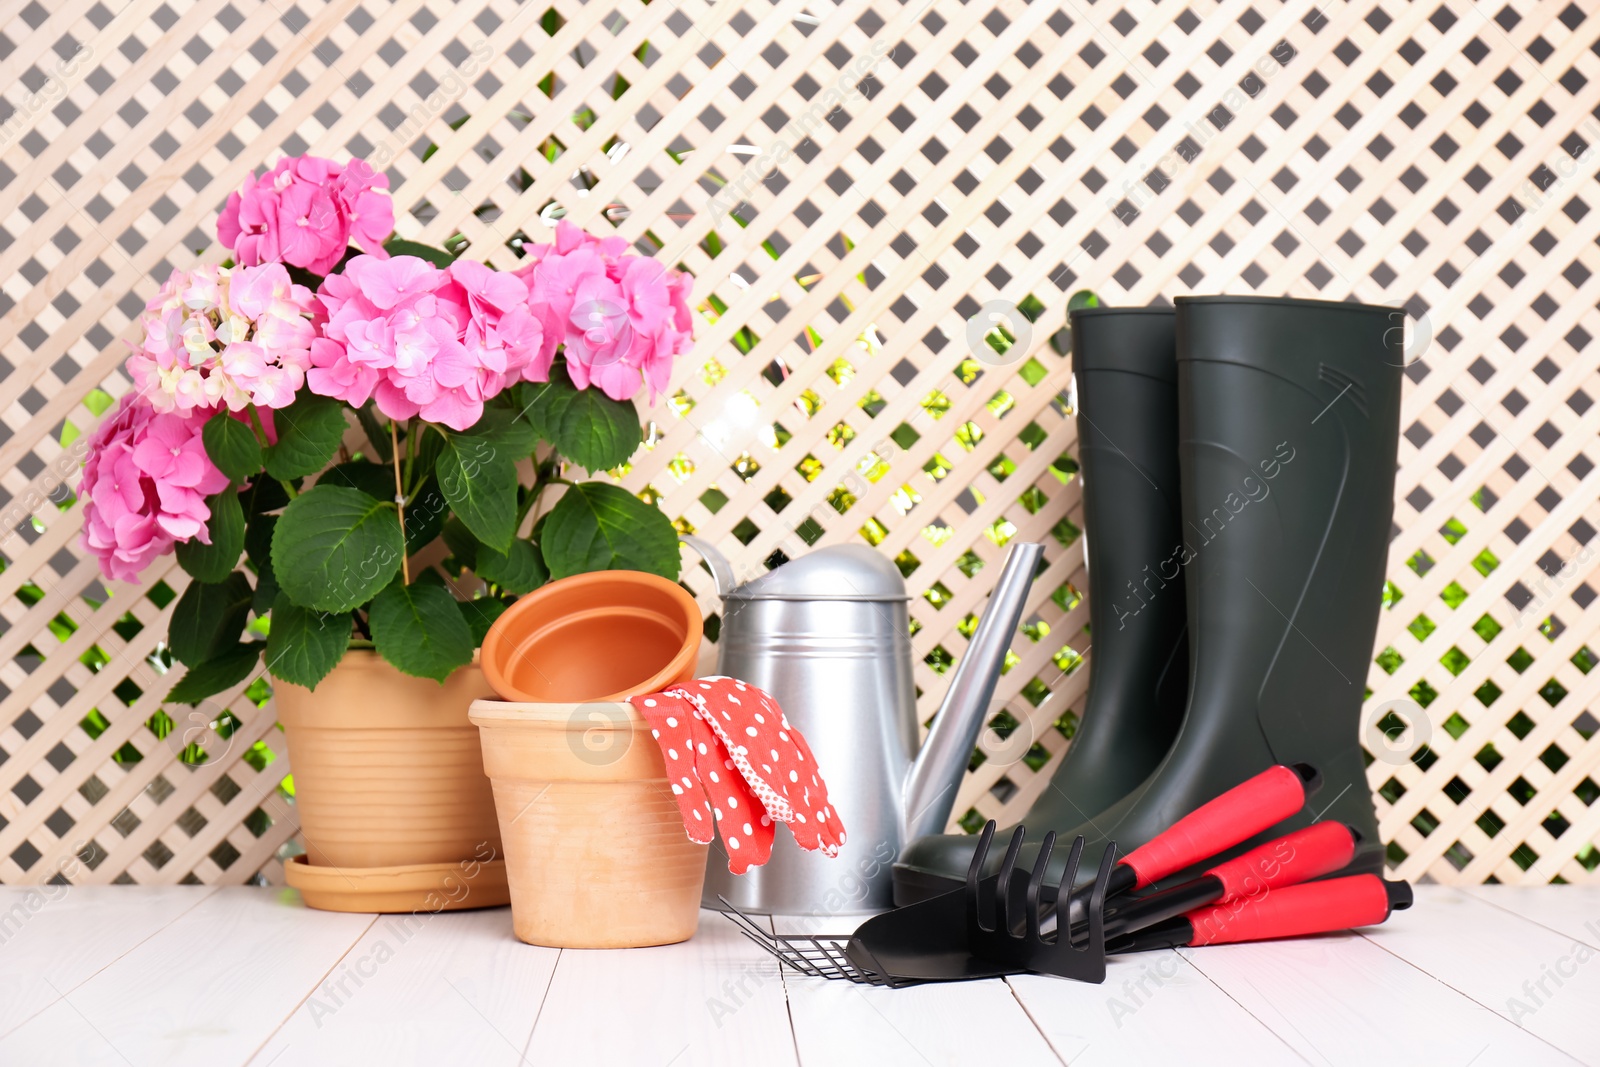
(596, 854)
(387, 767)
(601, 636)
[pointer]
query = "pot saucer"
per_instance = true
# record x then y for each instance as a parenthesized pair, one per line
(415, 887)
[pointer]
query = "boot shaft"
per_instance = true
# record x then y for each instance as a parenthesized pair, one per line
(1123, 361)
(1126, 369)
(1288, 430)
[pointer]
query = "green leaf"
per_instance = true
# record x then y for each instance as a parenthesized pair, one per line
(429, 445)
(214, 562)
(508, 430)
(463, 546)
(584, 425)
(419, 629)
(377, 433)
(479, 478)
(264, 495)
(258, 541)
(480, 615)
(425, 516)
(424, 512)
(399, 246)
(309, 433)
(232, 446)
(334, 548)
(266, 593)
(598, 527)
(223, 671)
(208, 617)
(375, 480)
(258, 550)
(430, 576)
(520, 571)
(303, 646)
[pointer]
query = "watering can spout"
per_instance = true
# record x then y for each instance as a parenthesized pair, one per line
(931, 783)
(721, 569)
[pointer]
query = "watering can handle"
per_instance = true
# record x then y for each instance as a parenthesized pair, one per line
(721, 569)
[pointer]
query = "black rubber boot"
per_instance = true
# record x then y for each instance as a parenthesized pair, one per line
(1125, 360)
(1125, 363)
(1289, 422)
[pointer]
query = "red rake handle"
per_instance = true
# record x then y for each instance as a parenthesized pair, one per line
(1235, 816)
(1319, 849)
(1294, 911)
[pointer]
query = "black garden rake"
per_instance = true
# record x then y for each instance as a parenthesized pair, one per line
(987, 929)
(819, 956)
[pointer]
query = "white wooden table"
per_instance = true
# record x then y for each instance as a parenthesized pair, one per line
(194, 975)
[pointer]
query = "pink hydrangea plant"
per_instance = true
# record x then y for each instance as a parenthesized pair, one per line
(622, 318)
(306, 211)
(215, 336)
(145, 486)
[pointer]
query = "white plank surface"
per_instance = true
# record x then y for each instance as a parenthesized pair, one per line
(1341, 999)
(455, 987)
(206, 989)
(142, 976)
(715, 999)
(1136, 1016)
(964, 1023)
(1557, 907)
(54, 937)
(1495, 957)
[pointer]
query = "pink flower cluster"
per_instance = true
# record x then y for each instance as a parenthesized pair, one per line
(622, 318)
(423, 341)
(230, 337)
(145, 486)
(306, 211)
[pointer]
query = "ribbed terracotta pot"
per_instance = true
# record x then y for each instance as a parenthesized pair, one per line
(387, 767)
(596, 853)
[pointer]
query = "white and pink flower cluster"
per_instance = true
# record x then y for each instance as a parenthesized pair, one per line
(216, 336)
(415, 339)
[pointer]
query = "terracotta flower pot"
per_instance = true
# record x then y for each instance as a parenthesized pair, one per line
(596, 854)
(599, 636)
(387, 768)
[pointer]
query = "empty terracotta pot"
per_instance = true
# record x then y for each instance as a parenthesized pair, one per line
(387, 768)
(596, 854)
(600, 636)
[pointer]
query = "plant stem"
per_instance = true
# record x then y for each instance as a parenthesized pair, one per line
(399, 501)
(412, 433)
(260, 431)
(256, 425)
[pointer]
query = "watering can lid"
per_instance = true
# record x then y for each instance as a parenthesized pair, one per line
(839, 572)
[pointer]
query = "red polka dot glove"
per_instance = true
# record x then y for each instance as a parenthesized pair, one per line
(732, 756)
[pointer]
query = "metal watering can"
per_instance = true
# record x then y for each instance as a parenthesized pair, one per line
(828, 636)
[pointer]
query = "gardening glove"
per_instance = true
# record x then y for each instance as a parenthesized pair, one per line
(732, 754)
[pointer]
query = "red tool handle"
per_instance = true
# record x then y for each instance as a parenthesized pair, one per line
(1319, 849)
(1294, 911)
(1237, 815)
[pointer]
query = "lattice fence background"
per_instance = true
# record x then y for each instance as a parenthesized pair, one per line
(899, 166)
